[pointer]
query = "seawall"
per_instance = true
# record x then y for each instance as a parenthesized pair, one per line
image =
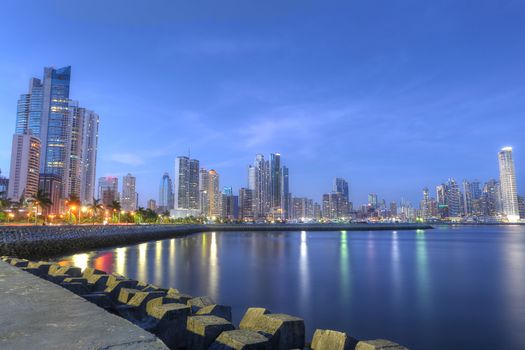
(43, 242)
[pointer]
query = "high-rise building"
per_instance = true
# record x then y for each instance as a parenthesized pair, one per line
(341, 186)
(166, 196)
(335, 206)
(509, 192)
(275, 180)
(246, 204)
(286, 196)
(204, 201)
(108, 190)
(490, 198)
(521, 207)
(152, 204)
(68, 143)
(89, 155)
(128, 197)
(259, 181)
(230, 204)
(4, 184)
(214, 194)
(372, 200)
(25, 161)
(51, 185)
(186, 183)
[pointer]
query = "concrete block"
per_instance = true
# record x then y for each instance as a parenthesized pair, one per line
(175, 293)
(250, 317)
(378, 344)
(198, 303)
(152, 288)
(98, 282)
(75, 287)
(171, 327)
(56, 278)
(161, 301)
(332, 340)
(140, 299)
(90, 271)
(19, 262)
(71, 271)
(203, 330)
(240, 339)
(33, 271)
(221, 311)
(126, 294)
(284, 331)
(113, 289)
(42, 266)
(76, 280)
(100, 299)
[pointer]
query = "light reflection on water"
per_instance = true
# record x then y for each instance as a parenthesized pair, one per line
(446, 288)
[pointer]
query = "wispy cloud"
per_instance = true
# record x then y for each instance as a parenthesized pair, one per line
(126, 158)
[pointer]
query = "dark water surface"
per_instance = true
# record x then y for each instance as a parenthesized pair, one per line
(447, 288)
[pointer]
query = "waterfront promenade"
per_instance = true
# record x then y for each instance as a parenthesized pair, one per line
(40, 242)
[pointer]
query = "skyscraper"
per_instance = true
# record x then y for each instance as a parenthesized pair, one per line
(203, 192)
(341, 186)
(259, 182)
(286, 197)
(60, 124)
(246, 204)
(186, 183)
(509, 193)
(25, 160)
(128, 198)
(275, 180)
(108, 190)
(214, 194)
(166, 196)
(4, 184)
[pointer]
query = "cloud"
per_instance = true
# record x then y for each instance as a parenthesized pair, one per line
(126, 158)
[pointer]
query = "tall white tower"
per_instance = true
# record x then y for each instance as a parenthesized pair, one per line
(507, 176)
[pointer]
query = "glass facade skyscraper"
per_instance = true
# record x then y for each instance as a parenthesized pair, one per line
(509, 193)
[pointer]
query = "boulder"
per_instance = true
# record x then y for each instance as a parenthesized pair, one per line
(240, 339)
(332, 340)
(378, 344)
(216, 310)
(203, 330)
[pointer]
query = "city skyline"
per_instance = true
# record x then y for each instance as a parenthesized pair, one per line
(390, 122)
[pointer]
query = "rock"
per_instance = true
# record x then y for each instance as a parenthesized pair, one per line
(240, 340)
(198, 303)
(19, 262)
(216, 310)
(171, 327)
(332, 340)
(378, 344)
(252, 314)
(203, 330)
(284, 331)
(113, 289)
(126, 294)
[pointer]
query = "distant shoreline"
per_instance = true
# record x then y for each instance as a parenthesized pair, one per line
(44, 242)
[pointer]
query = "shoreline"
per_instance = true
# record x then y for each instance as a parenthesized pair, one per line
(45, 242)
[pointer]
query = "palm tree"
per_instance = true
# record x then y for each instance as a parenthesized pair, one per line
(41, 199)
(115, 206)
(95, 207)
(73, 202)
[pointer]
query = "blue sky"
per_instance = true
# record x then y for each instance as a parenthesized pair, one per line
(392, 95)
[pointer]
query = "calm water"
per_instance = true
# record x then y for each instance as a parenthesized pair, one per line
(448, 288)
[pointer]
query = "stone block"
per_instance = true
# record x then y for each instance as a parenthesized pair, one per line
(161, 301)
(76, 280)
(126, 294)
(328, 340)
(71, 271)
(203, 330)
(100, 299)
(152, 288)
(378, 344)
(19, 262)
(75, 287)
(90, 271)
(250, 317)
(199, 302)
(42, 266)
(240, 339)
(33, 271)
(175, 293)
(221, 311)
(284, 331)
(113, 289)
(171, 326)
(56, 278)
(98, 282)
(140, 299)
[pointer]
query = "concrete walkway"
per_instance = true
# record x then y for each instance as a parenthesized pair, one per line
(37, 314)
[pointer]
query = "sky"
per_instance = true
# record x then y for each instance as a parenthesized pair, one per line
(394, 96)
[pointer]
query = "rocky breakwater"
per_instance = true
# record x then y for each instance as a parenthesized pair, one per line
(41, 242)
(182, 321)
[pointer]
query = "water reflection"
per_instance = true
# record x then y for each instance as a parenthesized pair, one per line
(120, 262)
(304, 278)
(214, 269)
(142, 262)
(344, 267)
(423, 281)
(80, 260)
